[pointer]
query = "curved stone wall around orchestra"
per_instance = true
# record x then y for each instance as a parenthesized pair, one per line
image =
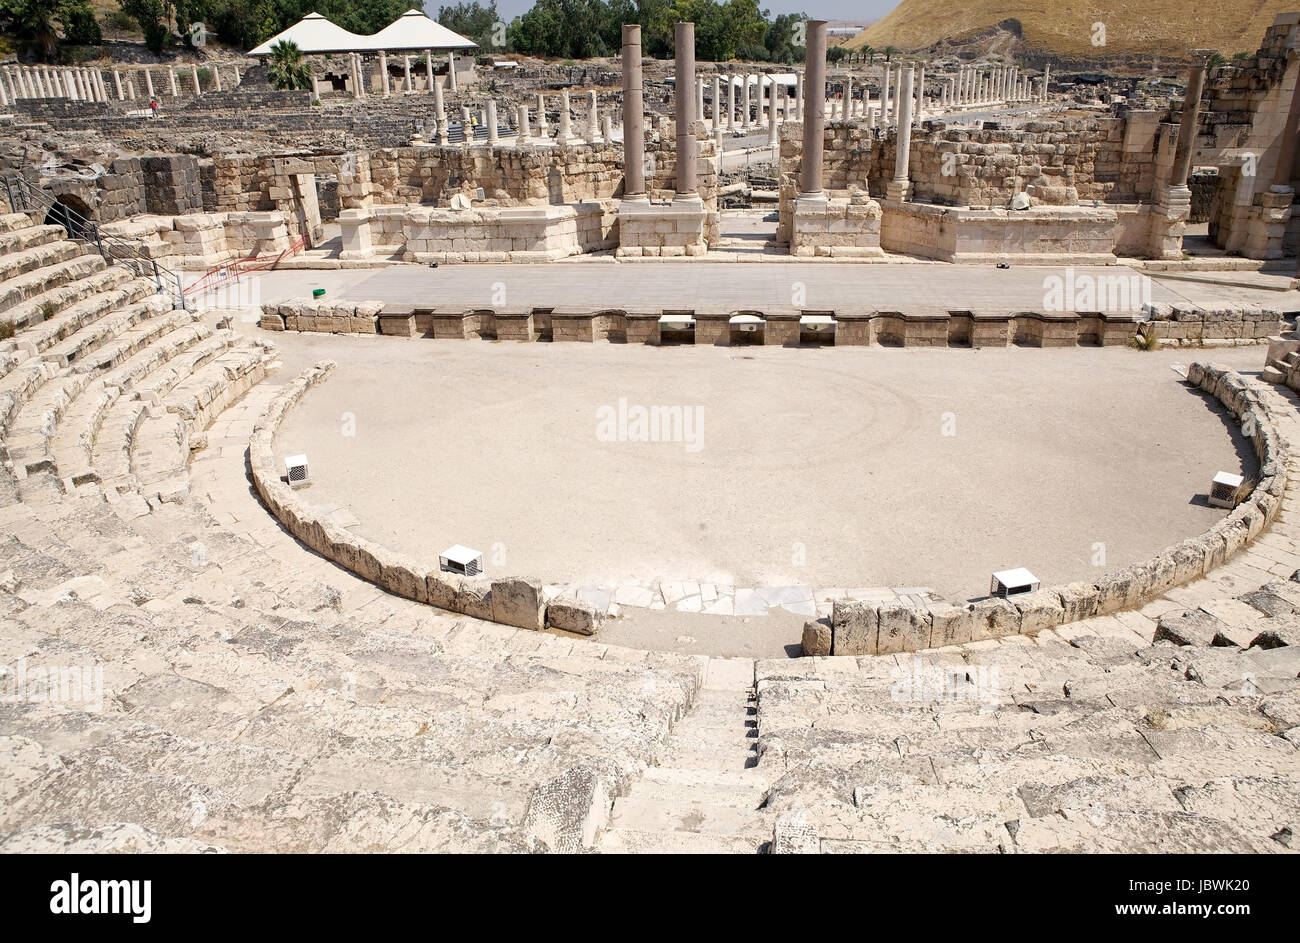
(513, 601)
(857, 628)
(1174, 325)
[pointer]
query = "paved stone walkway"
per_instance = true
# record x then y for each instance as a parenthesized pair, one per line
(773, 283)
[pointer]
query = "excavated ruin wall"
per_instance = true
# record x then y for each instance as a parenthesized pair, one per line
(1110, 159)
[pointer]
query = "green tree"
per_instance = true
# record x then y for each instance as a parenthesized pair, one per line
(472, 20)
(153, 19)
(80, 28)
(39, 22)
(287, 69)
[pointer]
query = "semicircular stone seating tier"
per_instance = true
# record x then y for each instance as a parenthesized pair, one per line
(179, 672)
(854, 627)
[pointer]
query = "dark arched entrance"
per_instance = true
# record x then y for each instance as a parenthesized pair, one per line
(73, 215)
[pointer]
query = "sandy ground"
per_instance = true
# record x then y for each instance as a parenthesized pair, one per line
(830, 468)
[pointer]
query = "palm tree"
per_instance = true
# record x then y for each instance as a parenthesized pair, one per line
(890, 52)
(870, 53)
(287, 69)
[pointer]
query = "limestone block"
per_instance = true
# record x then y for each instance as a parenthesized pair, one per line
(854, 628)
(518, 602)
(569, 614)
(1038, 611)
(994, 618)
(902, 628)
(817, 637)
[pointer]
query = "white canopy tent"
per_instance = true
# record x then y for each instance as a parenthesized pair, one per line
(414, 30)
(410, 32)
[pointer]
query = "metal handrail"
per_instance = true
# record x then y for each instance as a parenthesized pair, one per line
(254, 262)
(24, 196)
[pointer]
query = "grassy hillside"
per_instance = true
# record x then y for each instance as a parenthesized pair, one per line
(1064, 27)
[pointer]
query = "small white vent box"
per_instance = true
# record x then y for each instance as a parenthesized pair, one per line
(1013, 582)
(295, 471)
(463, 560)
(1224, 489)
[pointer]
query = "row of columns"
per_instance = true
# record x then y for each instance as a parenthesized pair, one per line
(993, 85)
(76, 84)
(82, 84)
(597, 128)
(356, 66)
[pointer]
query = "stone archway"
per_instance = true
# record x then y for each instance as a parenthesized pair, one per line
(73, 214)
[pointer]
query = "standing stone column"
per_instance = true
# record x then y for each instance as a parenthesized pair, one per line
(440, 113)
(745, 122)
(593, 118)
(383, 73)
(543, 129)
(798, 96)
(920, 97)
(633, 116)
(216, 78)
(900, 187)
(406, 65)
(1047, 79)
(451, 71)
(428, 69)
(731, 103)
(525, 124)
(773, 139)
(491, 122)
(565, 135)
(814, 113)
(171, 78)
(148, 83)
(1187, 126)
(885, 112)
(699, 98)
(717, 104)
(848, 97)
(117, 82)
(684, 71)
(194, 72)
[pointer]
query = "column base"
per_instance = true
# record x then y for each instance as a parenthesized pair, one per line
(898, 191)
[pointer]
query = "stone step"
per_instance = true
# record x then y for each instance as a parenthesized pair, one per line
(125, 315)
(684, 815)
(38, 421)
(621, 840)
(36, 257)
(708, 755)
(11, 222)
(14, 290)
(17, 240)
(706, 788)
(76, 304)
(73, 442)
